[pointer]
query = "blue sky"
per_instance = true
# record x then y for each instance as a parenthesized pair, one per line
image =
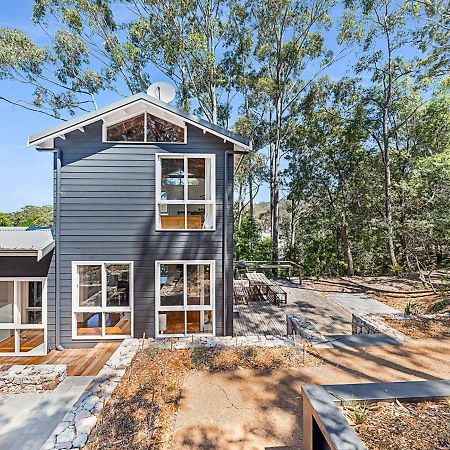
(25, 174)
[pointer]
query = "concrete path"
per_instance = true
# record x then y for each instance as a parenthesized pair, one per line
(250, 409)
(360, 303)
(265, 318)
(27, 420)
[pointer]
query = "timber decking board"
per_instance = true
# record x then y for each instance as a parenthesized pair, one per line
(80, 362)
(260, 318)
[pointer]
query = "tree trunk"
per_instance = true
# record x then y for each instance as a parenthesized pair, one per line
(276, 182)
(347, 251)
(388, 194)
(386, 153)
(250, 204)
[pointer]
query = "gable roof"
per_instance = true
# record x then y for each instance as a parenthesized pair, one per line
(93, 116)
(26, 241)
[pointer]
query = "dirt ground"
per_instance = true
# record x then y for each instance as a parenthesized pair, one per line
(253, 409)
(421, 328)
(402, 425)
(393, 291)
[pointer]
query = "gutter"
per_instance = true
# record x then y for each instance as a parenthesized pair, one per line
(57, 156)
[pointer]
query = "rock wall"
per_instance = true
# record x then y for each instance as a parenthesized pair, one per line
(18, 379)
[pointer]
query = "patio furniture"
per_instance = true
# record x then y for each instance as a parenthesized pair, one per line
(276, 294)
(242, 294)
(259, 284)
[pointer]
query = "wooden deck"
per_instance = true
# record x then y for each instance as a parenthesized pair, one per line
(264, 318)
(260, 318)
(80, 362)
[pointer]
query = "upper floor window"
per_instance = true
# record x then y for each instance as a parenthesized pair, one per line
(146, 128)
(185, 193)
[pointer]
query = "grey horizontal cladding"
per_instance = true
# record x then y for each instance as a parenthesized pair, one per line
(74, 177)
(104, 169)
(89, 187)
(107, 213)
(92, 196)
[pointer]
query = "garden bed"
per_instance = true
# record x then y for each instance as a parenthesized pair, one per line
(141, 412)
(421, 327)
(396, 426)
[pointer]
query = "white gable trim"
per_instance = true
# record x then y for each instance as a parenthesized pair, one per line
(46, 141)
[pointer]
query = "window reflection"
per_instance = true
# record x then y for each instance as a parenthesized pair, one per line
(197, 179)
(90, 285)
(6, 301)
(89, 324)
(198, 284)
(118, 285)
(30, 339)
(159, 130)
(117, 323)
(127, 130)
(171, 285)
(172, 179)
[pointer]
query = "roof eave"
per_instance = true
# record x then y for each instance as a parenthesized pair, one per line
(72, 125)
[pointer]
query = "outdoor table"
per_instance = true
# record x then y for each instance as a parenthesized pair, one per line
(259, 281)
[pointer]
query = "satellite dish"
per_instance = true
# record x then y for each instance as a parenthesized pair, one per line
(162, 91)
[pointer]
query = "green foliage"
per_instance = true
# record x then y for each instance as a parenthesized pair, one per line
(360, 412)
(28, 216)
(5, 220)
(411, 308)
(249, 245)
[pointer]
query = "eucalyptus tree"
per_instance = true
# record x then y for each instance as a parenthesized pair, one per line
(188, 40)
(327, 156)
(116, 46)
(432, 35)
(383, 42)
(290, 51)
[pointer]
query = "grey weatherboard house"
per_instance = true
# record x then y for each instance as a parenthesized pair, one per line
(143, 197)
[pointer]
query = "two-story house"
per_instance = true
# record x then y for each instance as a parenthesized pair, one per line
(143, 198)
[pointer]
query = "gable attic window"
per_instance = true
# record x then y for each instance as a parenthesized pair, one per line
(147, 128)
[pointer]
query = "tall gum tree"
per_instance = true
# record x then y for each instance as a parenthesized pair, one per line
(383, 68)
(288, 41)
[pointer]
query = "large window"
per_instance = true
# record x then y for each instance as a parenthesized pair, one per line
(185, 298)
(102, 300)
(145, 127)
(23, 325)
(185, 192)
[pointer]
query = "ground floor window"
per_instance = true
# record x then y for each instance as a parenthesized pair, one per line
(185, 298)
(102, 295)
(23, 318)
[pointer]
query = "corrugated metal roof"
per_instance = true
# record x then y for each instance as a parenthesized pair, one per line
(22, 239)
(98, 113)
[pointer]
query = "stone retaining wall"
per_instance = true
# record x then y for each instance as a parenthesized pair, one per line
(18, 379)
(74, 429)
(304, 329)
(374, 323)
(222, 342)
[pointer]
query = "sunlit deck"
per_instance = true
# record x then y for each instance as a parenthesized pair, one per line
(265, 318)
(80, 362)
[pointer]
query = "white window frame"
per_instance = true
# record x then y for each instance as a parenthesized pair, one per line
(185, 201)
(185, 307)
(107, 124)
(16, 325)
(76, 308)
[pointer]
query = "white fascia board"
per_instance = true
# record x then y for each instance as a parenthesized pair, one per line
(46, 250)
(160, 112)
